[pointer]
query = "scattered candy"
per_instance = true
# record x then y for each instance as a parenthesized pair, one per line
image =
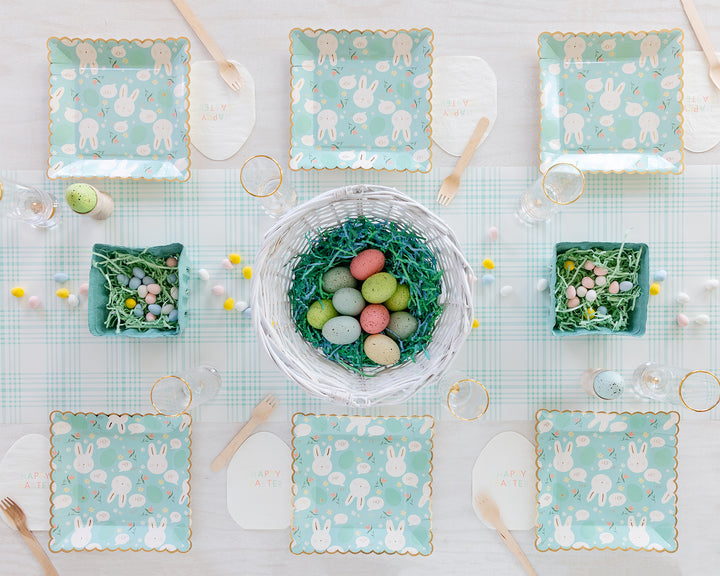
(147, 281)
(589, 313)
(62, 293)
(682, 320)
(150, 317)
(84, 289)
(172, 278)
(683, 298)
(600, 281)
(589, 282)
(614, 287)
(138, 273)
(591, 296)
(173, 316)
(569, 265)
(247, 272)
(227, 264)
(167, 308)
(154, 289)
(493, 233)
(241, 306)
(138, 311)
(60, 277)
(573, 303)
(17, 292)
(229, 304)
(135, 283)
(654, 289)
(34, 302)
(121, 279)
(172, 262)
(542, 285)
(571, 292)
(488, 264)
(234, 258)
(204, 274)
(155, 309)
(589, 265)
(712, 284)
(602, 310)
(702, 319)
(174, 293)
(73, 301)
(506, 291)
(581, 291)
(150, 299)
(247, 312)
(488, 279)
(129, 303)
(626, 286)
(599, 271)
(142, 291)
(660, 276)
(218, 290)
(475, 323)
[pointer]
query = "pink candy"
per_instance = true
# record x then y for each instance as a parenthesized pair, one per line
(614, 287)
(172, 262)
(227, 264)
(573, 302)
(570, 292)
(600, 281)
(599, 271)
(150, 299)
(589, 265)
(149, 316)
(588, 282)
(218, 290)
(84, 289)
(682, 320)
(154, 289)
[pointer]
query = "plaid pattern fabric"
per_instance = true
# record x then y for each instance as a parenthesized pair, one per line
(49, 361)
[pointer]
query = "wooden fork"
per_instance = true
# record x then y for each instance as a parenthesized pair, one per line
(260, 413)
(228, 72)
(451, 184)
(17, 517)
(489, 510)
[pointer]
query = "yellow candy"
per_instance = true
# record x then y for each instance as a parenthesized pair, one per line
(229, 304)
(654, 289)
(234, 258)
(569, 265)
(247, 272)
(62, 293)
(589, 313)
(17, 292)
(130, 303)
(488, 264)
(475, 323)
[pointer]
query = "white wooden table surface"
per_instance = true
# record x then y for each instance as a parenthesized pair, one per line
(256, 34)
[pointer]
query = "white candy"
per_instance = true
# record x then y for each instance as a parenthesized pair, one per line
(702, 319)
(683, 298)
(241, 305)
(73, 301)
(34, 302)
(174, 292)
(712, 284)
(600, 281)
(591, 296)
(142, 291)
(204, 274)
(506, 290)
(542, 285)
(581, 291)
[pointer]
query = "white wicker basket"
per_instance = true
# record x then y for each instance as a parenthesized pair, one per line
(307, 365)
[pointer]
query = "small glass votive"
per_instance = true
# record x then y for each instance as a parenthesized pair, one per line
(562, 184)
(262, 177)
(173, 395)
(697, 390)
(27, 204)
(465, 398)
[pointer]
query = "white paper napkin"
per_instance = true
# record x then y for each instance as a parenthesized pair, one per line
(701, 105)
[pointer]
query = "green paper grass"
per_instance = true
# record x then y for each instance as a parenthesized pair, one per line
(407, 258)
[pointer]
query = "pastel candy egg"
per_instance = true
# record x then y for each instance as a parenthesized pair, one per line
(581, 291)
(154, 289)
(147, 281)
(682, 320)
(573, 303)
(381, 349)
(172, 278)
(218, 290)
(588, 282)
(172, 262)
(399, 300)
(134, 283)
(683, 298)
(173, 316)
(625, 285)
(379, 287)
(73, 301)
(570, 292)
(348, 301)
(660, 276)
(174, 292)
(150, 298)
(168, 308)
(488, 279)
(138, 273)
(17, 292)
(569, 265)
(591, 296)
(155, 309)
(598, 271)
(602, 311)
(138, 311)
(374, 318)
(702, 319)
(403, 324)
(84, 289)
(589, 265)
(121, 279)
(234, 258)
(341, 330)
(488, 264)
(320, 312)
(150, 317)
(367, 263)
(506, 291)
(493, 233)
(227, 264)
(229, 304)
(130, 303)
(62, 293)
(241, 306)
(204, 274)
(34, 302)
(614, 287)
(542, 285)
(247, 272)
(654, 289)
(247, 312)
(142, 291)
(336, 278)
(475, 323)
(60, 277)
(712, 284)
(600, 281)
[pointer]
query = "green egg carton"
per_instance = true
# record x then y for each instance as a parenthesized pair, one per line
(99, 295)
(638, 317)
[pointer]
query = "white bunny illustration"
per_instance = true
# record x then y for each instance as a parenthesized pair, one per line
(327, 45)
(162, 129)
(600, 485)
(574, 48)
(401, 121)
(395, 465)
(320, 540)
(395, 539)
(363, 162)
(88, 133)
(295, 94)
(649, 48)
(55, 99)
(295, 161)
(125, 105)
(155, 536)
(359, 488)
(573, 124)
(359, 422)
(82, 535)
(637, 461)
(610, 99)
(563, 533)
(157, 463)
(327, 119)
(88, 57)
(603, 420)
(186, 421)
(83, 462)
(426, 492)
(120, 488)
(563, 460)
(322, 465)
(161, 54)
(402, 45)
(363, 96)
(117, 420)
(185, 492)
(649, 122)
(671, 488)
(637, 534)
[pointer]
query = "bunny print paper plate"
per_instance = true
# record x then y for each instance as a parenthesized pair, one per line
(612, 102)
(360, 100)
(119, 482)
(362, 484)
(606, 480)
(119, 108)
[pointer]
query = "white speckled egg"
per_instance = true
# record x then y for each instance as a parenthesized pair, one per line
(348, 301)
(341, 330)
(336, 278)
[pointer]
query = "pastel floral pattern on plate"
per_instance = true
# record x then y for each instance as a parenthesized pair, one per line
(360, 100)
(606, 480)
(362, 484)
(120, 482)
(612, 102)
(118, 108)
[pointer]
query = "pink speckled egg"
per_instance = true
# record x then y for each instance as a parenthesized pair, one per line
(588, 282)
(150, 298)
(374, 318)
(367, 263)
(614, 287)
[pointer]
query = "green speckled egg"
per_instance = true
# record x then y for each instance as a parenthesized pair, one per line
(320, 312)
(399, 300)
(348, 301)
(402, 324)
(341, 330)
(81, 198)
(336, 278)
(379, 287)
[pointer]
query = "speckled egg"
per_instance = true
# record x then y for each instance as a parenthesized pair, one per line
(320, 312)
(367, 263)
(382, 349)
(379, 287)
(399, 300)
(341, 330)
(348, 301)
(374, 318)
(336, 278)
(402, 324)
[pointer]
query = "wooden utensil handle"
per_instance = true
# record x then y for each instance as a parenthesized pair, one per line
(199, 29)
(472, 145)
(39, 554)
(514, 547)
(700, 32)
(222, 459)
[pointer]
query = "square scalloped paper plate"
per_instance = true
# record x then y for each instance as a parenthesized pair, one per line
(120, 482)
(606, 480)
(360, 99)
(612, 102)
(362, 484)
(119, 108)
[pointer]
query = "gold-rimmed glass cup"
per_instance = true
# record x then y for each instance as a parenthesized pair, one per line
(465, 398)
(262, 177)
(561, 185)
(28, 204)
(173, 395)
(697, 390)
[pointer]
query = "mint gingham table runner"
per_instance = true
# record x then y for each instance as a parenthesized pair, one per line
(49, 361)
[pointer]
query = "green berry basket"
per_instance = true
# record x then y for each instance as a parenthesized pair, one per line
(634, 313)
(99, 293)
